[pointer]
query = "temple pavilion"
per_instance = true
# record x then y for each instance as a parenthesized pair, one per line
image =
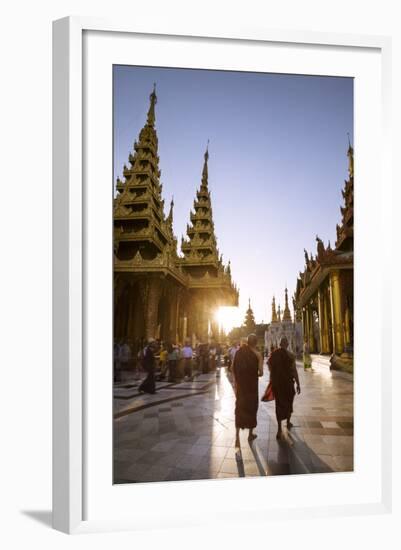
(282, 325)
(325, 289)
(159, 293)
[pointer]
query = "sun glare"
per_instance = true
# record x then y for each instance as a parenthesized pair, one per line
(228, 318)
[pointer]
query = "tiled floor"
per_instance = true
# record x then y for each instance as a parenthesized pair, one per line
(186, 431)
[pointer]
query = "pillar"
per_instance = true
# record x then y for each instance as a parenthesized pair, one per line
(305, 326)
(323, 323)
(150, 290)
(336, 312)
(311, 339)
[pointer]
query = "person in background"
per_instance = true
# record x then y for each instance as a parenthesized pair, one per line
(231, 353)
(283, 374)
(148, 385)
(163, 361)
(246, 369)
(187, 354)
(204, 358)
(212, 357)
(172, 360)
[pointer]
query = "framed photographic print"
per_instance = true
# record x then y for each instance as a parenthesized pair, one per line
(218, 318)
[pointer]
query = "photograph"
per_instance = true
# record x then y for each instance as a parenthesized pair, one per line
(232, 199)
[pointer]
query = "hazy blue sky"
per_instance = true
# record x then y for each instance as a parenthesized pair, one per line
(277, 162)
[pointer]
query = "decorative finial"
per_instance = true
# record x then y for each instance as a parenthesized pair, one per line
(350, 154)
(153, 100)
(287, 312)
(205, 170)
(274, 312)
(170, 214)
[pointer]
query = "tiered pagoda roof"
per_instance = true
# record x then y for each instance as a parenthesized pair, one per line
(274, 312)
(201, 259)
(143, 236)
(287, 312)
(326, 258)
(249, 321)
(201, 245)
(144, 239)
(345, 231)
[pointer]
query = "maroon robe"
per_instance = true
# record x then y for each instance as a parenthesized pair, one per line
(282, 379)
(245, 369)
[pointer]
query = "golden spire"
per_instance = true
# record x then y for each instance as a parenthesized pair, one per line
(274, 313)
(205, 174)
(350, 154)
(279, 313)
(151, 113)
(170, 214)
(287, 312)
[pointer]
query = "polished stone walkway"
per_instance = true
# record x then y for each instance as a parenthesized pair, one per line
(186, 431)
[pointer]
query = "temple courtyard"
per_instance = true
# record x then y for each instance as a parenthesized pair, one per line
(186, 430)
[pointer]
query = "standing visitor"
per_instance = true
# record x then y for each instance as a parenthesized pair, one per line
(163, 361)
(247, 367)
(231, 353)
(172, 359)
(283, 374)
(186, 354)
(204, 358)
(148, 363)
(212, 356)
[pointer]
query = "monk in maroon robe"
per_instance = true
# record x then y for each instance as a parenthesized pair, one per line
(283, 374)
(247, 367)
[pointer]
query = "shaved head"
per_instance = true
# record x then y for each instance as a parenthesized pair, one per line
(252, 340)
(284, 342)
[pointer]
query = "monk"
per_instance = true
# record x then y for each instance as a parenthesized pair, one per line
(247, 367)
(283, 373)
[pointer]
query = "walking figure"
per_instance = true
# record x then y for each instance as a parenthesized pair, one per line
(283, 374)
(247, 367)
(149, 385)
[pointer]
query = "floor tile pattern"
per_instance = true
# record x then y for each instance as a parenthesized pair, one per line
(186, 431)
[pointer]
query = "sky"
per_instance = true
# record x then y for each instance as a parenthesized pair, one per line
(277, 162)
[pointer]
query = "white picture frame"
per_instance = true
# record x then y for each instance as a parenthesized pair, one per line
(70, 285)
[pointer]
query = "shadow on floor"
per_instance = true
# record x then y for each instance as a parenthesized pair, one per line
(41, 516)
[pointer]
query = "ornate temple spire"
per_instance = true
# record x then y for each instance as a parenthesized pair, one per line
(170, 214)
(151, 113)
(274, 312)
(345, 231)
(287, 312)
(205, 174)
(279, 313)
(201, 246)
(350, 154)
(249, 322)
(139, 204)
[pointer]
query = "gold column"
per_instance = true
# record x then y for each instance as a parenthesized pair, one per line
(347, 327)
(323, 323)
(336, 312)
(311, 339)
(329, 320)
(150, 290)
(305, 325)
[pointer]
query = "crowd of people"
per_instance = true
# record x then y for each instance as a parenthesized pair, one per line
(167, 361)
